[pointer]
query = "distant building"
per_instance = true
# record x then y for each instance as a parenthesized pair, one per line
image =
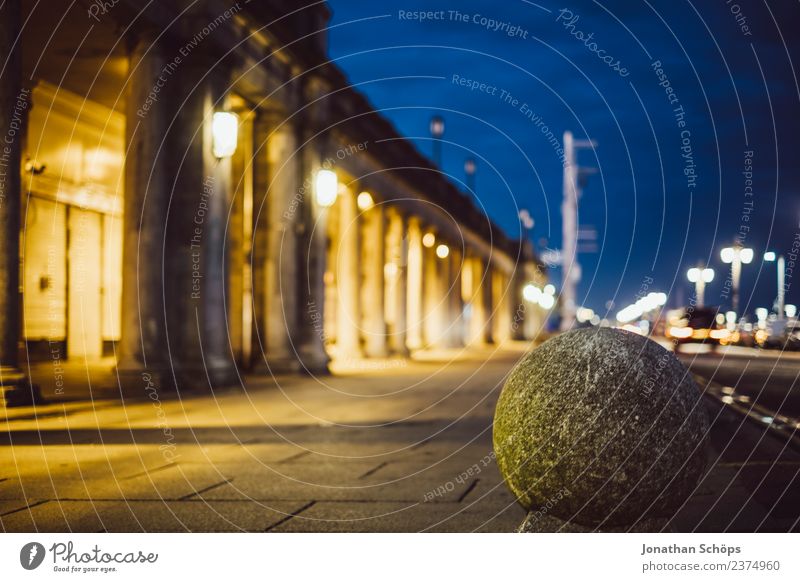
(201, 191)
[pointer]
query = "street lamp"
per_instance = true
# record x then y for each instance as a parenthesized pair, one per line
(736, 256)
(469, 169)
(531, 293)
(526, 219)
(437, 131)
(326, 188)
(547, 301)
(442, 251)
(770, 257)
(700, 276)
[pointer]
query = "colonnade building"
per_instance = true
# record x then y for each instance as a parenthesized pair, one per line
(195, 190)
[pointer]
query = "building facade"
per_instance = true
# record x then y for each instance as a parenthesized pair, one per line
(194, 190)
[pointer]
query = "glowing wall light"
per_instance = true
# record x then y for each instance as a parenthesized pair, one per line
(442, 251)
(326, 188)
(429, 239)
(365, 201)
(225, 133)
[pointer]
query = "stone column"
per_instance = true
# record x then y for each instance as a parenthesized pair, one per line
(437, 275)
(196, 232)
(373, 290)
(502, 312)
(313, 229)
(455, 323)
(348, 319)
(414, 274)
(143, 358)
(14, 103)
(530, 327)
(397, 256)
(487, 276)
(518, 309)
(275, 215)
(476, 335)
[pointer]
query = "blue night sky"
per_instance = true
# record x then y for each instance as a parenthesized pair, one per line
(736, 86)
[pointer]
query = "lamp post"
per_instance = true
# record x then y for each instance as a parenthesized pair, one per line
(700, 276)
(573, 182)
(770, 257)
(526, 220)
(469, 169)
(437, 131)
(736, 256)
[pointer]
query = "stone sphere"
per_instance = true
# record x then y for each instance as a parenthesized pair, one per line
(601, 427)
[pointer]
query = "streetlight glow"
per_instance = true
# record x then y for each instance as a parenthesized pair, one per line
(326, 188)
(442, 251)
(736, 256)
(428, 240)
(437, 126)
(791, 310)
(224, 133)
(727, 255)
(469, 167)
(700, 276)
(549, 289)
(547, 301)
(531, 293)
(769, 256)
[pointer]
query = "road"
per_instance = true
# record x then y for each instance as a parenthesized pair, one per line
(768, 377)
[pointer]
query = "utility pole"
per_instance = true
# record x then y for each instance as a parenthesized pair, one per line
(781, 286)
(573, 186)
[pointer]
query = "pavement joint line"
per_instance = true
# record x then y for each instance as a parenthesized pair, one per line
(150, 471)
(421, 443)
(468, 491)
(374, 470)
(295, 457)
(294, 514)
(204, 490)
(29, 506)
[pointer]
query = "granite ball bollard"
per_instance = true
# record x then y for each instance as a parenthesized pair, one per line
(600, 429)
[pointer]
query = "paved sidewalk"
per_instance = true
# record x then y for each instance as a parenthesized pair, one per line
(379, 446)
(390, 446)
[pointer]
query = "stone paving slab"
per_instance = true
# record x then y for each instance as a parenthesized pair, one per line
(149, 516)
(173, 482)
(398, 517)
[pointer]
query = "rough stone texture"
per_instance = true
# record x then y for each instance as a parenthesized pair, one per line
(602, 428)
